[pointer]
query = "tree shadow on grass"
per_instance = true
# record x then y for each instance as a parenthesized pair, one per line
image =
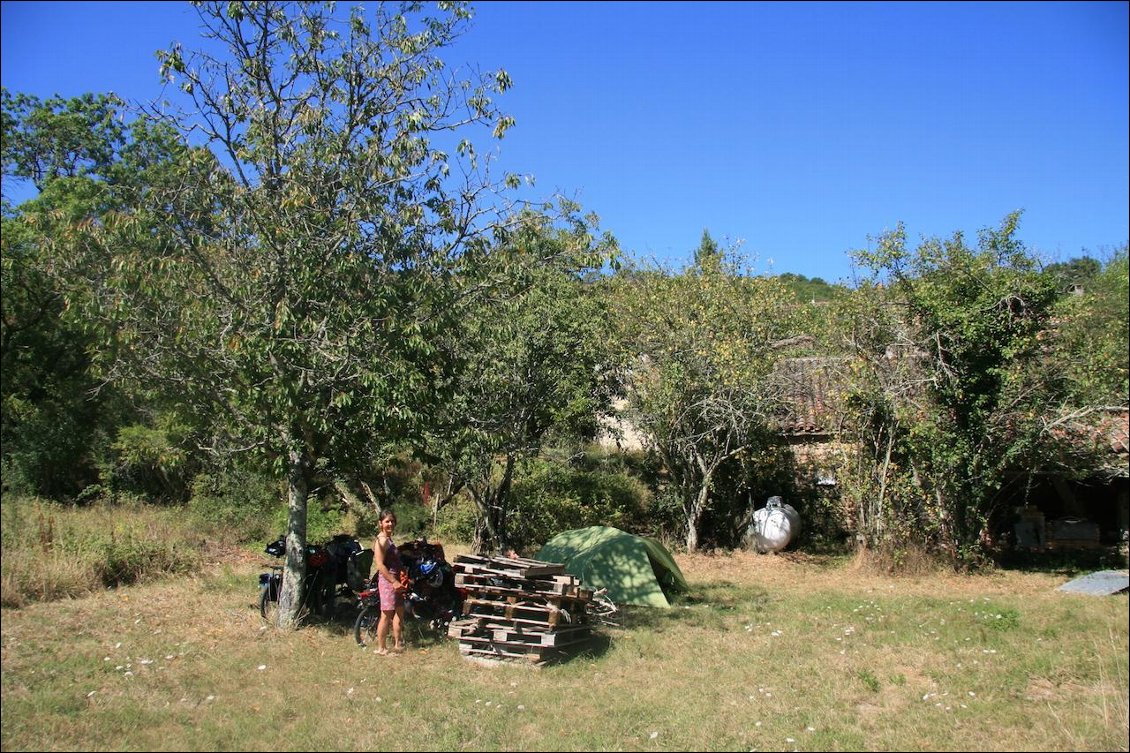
(712, 603)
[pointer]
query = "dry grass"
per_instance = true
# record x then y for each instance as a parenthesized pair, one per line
(767, 653)
(51, 551)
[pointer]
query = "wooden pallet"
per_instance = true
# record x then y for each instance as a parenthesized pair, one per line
(535, 657)
(517, 567)
(518, 641)
(518, 609)
(558, 585)
(527, 612)
(507, 633)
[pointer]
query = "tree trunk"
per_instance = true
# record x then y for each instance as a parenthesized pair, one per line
(696, 499)
(695, 505)
(291, 594)
(353, 498)
(490, 529)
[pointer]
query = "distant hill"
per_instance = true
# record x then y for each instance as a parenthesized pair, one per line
(814, 288)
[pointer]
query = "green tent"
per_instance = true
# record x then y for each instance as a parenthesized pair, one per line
(634, 569)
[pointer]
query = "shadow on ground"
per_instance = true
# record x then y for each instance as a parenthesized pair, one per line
(1065, 562)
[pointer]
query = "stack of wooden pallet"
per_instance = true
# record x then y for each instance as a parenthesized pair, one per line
(519, 609)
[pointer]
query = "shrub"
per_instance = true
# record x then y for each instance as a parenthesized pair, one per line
(456, 521)
(238, 504)
(554, 498)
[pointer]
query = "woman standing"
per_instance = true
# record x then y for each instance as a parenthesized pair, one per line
(386, 557)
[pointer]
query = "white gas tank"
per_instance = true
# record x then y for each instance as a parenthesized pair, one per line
(773, 526)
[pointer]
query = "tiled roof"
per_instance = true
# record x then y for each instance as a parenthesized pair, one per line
(810, 395)
(1118, 432)
(1110, 429)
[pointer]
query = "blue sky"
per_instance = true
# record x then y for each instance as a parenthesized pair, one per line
(797, 130)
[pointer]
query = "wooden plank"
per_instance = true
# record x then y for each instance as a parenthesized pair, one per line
(527, 632)
(486, 583)
(497, 653)
(521, 567)
(507, 648)
(555, 638)
(510, 580)
(548, 601)
(525, 621)
(523, 610)
(467, 626)
(489, 624)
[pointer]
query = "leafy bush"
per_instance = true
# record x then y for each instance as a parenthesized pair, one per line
(555, 498)
(324, 519)
(152, 461)
(239, 504)
(456, 521)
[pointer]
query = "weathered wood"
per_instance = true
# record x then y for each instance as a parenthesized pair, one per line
(517, 567)
(555, 638)
(560, 585)
(519, 609)
(496, 652)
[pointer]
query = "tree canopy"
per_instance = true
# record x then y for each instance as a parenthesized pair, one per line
(290, 275)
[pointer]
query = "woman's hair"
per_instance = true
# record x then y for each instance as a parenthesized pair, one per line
(386, 514)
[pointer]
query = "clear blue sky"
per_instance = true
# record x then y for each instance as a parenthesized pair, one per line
(798, 130)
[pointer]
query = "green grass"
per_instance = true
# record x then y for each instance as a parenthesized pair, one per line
(767, 653)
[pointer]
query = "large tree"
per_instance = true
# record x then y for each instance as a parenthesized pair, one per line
(78, 162)
(534, 362)
(954, 404)
(292, 280)
(700, 346)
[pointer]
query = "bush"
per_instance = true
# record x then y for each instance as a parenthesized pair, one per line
(456, 521)
(553, 498)
(238, 504)
(324, 520)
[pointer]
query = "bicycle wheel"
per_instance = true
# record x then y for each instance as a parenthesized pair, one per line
(268, 607)
(365, 626)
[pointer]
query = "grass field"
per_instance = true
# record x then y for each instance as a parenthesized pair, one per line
(776, 652)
